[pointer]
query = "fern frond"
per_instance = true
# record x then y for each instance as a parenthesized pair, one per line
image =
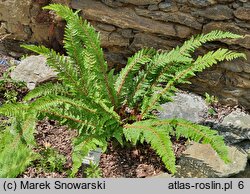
(125, 79)
(13, 110)
(76, 120)
(28, 128)
(157, 136)
(91, 40)
(109, 110)
(164, 64)
(194, 42)
(47, 89)
(200, 134)
(49, 101)
(14, 155)
(159, 70)
(202, 62)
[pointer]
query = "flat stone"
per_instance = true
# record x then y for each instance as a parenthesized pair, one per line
(187, 106)
(217, 12)
(201, 161)
(230, 65)
(19, 11)
(126, 17)
(235, 127)
(242, 82)
(153, 7)
(33, 70)
(238, 65)
(178, 17)
(112, 3)
(246, 4)
(181, 1)
(168, 5)
(39, 32)
(3, 28)
(201, 3)
(244, 174)
(238, 119)
(225, 1)
(126, 33)
(147, 40)
(140, 2)
(106, 27)
(113, 39)
(242, 13)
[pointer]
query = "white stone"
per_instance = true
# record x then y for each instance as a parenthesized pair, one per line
(187, 106)
(33, 70)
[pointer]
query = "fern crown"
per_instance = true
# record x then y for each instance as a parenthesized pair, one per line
(102, 105)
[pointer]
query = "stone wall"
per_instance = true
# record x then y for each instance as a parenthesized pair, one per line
(128, 25)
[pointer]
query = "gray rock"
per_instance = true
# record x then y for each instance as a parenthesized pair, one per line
(178, 17)
(246, 4)
(33, 70)
(242, 13)
(127, 33)
(218, 12)
(201, 3)
(245, 145)
(201, 161)
(165, 5)
(153, 7)
(238, 119)
(146, 40)
(140, 2)
(243, 1)
(244, 174)
(235, 127)
(187, 106)
(106, 27)
(225, 1)
(112, 3)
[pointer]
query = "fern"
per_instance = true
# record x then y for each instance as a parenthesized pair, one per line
(101, 105)
(47, 89)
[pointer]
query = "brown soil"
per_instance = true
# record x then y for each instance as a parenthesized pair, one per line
(49, 133)
(135, 162)
(138, 161)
